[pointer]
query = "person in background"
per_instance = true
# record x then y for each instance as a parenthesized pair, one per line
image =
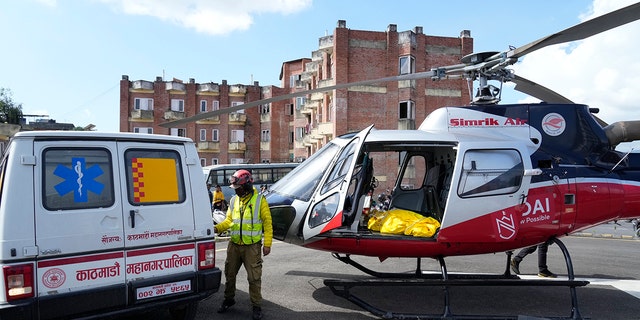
(210, 193)
(248, 219)
(543, 270)
(218, 199)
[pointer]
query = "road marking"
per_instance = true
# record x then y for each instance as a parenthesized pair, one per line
(631, 287)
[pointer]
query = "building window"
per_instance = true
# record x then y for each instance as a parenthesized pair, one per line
(237, 135)
(203, 105)
(203, 162)
(180, 132)
(299, 133)
(214, 135)
(294, 81)
(143, 104)
(237, 103)
(300, 101)
(291, 137)
(214, 161)
(407, 65)
(215, 105)
(265, 136)
(203, 134)
(407, 110)
(264, 109)
(177, 105)
(289, 109)
(143, 130)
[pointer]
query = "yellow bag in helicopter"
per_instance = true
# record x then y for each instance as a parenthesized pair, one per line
(425, 227)
(397, 221)
(375, 219)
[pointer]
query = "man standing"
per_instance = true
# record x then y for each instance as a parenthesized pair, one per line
(248, 218)
(543, 270)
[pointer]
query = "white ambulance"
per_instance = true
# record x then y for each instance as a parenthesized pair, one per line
(102, 224)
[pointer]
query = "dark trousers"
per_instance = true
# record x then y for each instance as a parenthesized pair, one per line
(542, 255)
(251, 257)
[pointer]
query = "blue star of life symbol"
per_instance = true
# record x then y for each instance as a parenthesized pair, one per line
(78, 179)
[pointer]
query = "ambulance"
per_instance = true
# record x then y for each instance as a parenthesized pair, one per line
(103, 224)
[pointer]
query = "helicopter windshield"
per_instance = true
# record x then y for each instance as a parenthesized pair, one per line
(303, 180)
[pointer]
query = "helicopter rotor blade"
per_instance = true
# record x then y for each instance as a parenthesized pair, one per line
(436, 73)
(583, 30)
(537, 91)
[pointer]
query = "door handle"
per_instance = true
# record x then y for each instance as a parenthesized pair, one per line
(132, 215)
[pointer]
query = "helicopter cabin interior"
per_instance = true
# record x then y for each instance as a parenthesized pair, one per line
(399, 176)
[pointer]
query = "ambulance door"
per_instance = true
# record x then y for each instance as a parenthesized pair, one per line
(79, 233)
(326, 210)
(158, 216)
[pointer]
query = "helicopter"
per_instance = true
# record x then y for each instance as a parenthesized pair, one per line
(475, 179)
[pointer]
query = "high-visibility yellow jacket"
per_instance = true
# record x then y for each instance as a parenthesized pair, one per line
(248, 219)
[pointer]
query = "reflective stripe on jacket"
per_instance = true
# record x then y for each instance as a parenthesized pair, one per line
(247, 225)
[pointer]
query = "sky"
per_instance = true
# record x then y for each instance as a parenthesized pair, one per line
(65, 58)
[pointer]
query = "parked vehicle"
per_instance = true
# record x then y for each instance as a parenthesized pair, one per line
(97, 224)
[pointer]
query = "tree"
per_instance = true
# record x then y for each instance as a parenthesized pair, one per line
(10, 112)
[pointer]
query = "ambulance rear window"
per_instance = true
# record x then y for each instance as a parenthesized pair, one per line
(154, 176)
(77, 178)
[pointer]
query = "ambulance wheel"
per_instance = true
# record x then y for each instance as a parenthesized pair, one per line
(184, 312)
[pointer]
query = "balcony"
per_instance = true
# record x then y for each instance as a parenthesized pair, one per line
(210, 120)
(142, 115)
(237, 118)
(312, 66)
(142, 85)
(317, 96)
(326, 128)
(173, 115)
(326, 43)
(265, 117)
(208, 88)
(317, 55)
(237, 90)
(308, 107)
(237, 146)
(175, 86)
(210, 146)
(326, 83)
(265, 145)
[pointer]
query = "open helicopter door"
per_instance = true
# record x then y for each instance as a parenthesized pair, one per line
(330, 200)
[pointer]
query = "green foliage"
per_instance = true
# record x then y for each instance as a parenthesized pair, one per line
(10, 112)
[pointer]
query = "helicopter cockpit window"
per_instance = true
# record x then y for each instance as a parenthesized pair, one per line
(324, 210)
(341, 168)
(490, 172)
(304, 179)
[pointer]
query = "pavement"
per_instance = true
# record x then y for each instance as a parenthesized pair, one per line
(622, 229)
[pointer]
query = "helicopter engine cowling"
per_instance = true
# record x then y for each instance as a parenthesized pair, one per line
(622, 131)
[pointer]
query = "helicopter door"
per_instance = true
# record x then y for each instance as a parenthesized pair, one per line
(330, 200)
(488, 187)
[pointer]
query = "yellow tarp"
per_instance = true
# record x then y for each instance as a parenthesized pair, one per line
(398, 221)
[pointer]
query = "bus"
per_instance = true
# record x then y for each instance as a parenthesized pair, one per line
(263, 174)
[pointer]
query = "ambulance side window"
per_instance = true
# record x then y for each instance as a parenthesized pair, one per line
(77, 178)
(154, 176)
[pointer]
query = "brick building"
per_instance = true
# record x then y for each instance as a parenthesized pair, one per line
(293, 129)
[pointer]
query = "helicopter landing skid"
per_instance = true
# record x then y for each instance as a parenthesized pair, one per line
(342, 287)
